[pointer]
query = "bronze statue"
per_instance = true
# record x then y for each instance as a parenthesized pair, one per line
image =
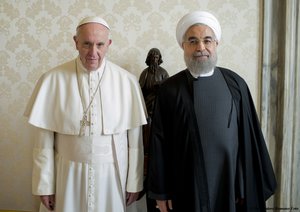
(150, 80)
(152, 77)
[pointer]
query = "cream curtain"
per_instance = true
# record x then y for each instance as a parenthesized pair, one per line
(280, 105)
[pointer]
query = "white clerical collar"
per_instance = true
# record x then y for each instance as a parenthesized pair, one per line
(82, 68)
(208, 74)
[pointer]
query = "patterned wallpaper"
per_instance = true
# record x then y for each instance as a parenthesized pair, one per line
(36, 35)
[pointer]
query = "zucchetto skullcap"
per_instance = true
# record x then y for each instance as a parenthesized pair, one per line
(197, 17)
(93, 19)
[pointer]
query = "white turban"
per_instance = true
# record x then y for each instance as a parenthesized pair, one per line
(197, 17)
(94, 19)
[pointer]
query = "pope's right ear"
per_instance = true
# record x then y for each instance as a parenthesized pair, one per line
(75, 40)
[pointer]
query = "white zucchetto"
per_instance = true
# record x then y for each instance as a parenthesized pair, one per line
(197, 17)
(93, 19)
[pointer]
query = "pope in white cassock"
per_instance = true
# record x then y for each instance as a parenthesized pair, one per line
(87, 113)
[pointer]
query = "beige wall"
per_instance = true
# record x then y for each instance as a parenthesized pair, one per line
(36, 35)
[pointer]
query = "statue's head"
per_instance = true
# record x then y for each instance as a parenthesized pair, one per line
(154, 56)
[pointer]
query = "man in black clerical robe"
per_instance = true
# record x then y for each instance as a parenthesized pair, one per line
(207, 151)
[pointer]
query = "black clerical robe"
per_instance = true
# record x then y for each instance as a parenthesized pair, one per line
(177, 170)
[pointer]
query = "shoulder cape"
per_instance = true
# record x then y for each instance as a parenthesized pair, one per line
(55, 103)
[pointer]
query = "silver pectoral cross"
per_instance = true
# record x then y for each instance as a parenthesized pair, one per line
(83, 123)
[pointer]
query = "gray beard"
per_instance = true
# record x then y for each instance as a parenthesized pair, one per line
(200, 67)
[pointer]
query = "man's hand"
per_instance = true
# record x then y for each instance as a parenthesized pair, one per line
(164, 205)
(131, 197)
(48, 201)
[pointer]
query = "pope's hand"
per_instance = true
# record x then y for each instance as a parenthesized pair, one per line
(48, 201)
(131, 197)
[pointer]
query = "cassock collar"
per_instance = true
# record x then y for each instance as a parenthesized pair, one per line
(210, 73)
(191, 79)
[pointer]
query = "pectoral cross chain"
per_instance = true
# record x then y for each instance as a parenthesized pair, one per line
(83, 123)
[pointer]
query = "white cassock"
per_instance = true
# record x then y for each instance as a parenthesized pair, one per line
(91, 172)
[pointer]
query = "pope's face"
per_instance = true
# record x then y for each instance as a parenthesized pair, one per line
(92, 42)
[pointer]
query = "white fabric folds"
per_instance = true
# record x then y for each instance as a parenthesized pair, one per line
(55, 104)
